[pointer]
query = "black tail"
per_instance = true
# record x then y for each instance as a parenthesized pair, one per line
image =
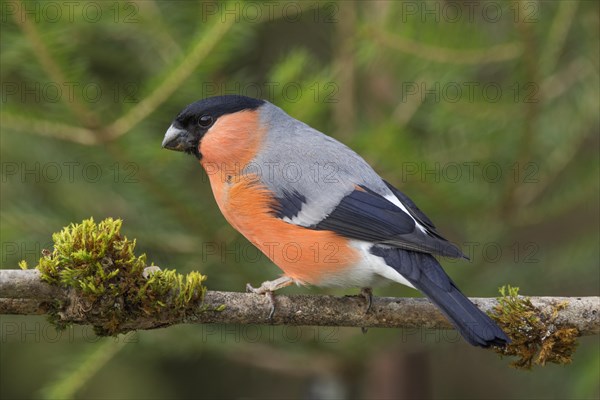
(472, 323)
(427, 275)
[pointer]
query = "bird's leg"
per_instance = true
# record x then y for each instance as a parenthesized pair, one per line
(271, 286)
(367, 293)
(267, 288)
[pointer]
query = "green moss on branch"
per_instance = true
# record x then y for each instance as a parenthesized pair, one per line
(537, 337)
(105, 279)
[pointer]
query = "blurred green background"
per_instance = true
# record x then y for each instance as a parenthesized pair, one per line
(484, 112)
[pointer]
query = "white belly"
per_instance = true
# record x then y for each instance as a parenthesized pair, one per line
(370, 271)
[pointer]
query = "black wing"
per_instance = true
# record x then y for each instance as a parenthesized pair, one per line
(366, 215)
(416, 212)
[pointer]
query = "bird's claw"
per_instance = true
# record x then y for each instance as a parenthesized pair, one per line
(268, 294)
(271, 298)
(367, 293)
(250, 288)
(267, 288)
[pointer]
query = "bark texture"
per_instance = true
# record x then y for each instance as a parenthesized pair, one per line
(22, 292)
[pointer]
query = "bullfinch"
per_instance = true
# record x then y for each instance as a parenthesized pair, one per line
(317, 209)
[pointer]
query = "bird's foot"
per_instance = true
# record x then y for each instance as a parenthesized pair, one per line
(267, 288)
(367, 293)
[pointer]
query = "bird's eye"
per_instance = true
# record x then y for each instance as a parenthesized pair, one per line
(205, 121)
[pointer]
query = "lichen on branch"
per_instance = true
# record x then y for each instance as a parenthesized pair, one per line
(536, 336)
(105, 278)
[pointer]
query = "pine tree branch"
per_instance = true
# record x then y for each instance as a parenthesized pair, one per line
(22, 292)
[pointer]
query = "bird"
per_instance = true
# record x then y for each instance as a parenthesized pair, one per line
(317, 209)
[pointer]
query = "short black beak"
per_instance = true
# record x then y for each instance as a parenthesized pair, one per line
(175, 139)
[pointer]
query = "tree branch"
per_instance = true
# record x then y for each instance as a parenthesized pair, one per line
(22, 292)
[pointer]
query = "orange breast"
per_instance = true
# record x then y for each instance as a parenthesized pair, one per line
(303, 254)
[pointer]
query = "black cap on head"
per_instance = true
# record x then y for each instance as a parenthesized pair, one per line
(195, 120)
